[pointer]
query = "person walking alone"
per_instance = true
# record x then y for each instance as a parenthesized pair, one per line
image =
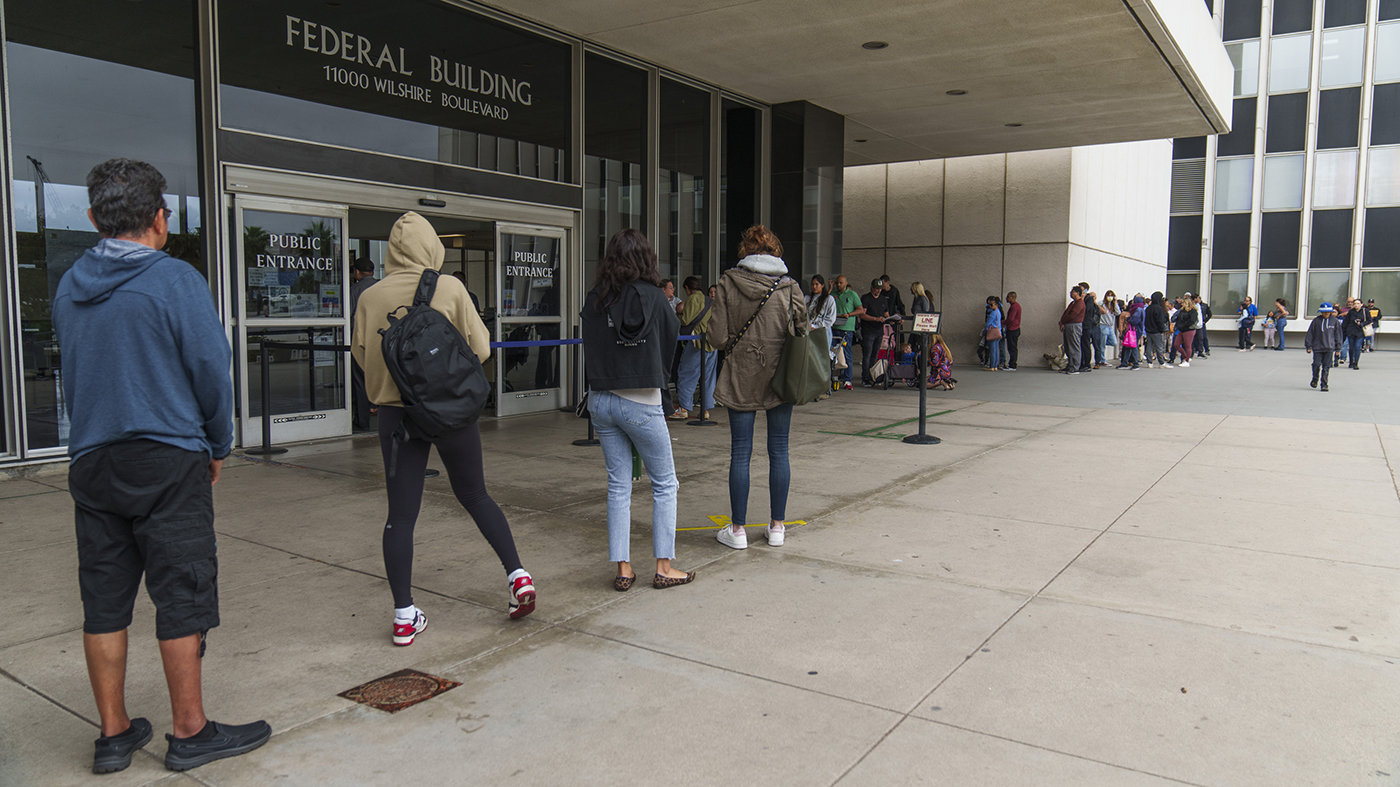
(414, 247)
(629, 333)
(756, 304)
(1321, 341)
(1354, 324)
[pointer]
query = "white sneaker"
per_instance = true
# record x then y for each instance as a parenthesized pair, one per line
(775, 537)
(729, 538)
(1168, 366)
(1184, 364)
(1152, 366)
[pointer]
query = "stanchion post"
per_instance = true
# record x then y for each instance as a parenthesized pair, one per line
(923, 437)
(702, 420)
(267, 448)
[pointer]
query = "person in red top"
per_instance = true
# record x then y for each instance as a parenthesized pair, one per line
(1072, 327)
(1013, 330)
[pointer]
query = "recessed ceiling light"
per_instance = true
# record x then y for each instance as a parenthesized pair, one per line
(860, 140)
(874, 45)
(957, 92)
(1013, 125)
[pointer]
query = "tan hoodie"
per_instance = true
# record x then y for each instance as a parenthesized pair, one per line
(413, 248)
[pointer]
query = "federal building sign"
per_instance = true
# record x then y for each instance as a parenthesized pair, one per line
(411, 59)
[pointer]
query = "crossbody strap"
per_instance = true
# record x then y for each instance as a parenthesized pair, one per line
(730, 348)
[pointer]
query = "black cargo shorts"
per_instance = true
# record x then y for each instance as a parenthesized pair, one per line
(144, 506)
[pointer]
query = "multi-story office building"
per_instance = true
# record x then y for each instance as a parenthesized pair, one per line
(1301, 200)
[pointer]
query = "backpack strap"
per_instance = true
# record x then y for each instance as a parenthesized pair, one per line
(743, 330)
(427, 285)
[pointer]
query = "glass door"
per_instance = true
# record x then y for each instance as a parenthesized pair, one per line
(292, 270)
(529, 271)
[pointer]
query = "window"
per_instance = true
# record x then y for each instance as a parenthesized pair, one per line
(1292, 16)
(1278, 240)
(1326, 287)
(1385, 114)
(1240, 140)
(1227, 292)
(1245, 56)
(1234, 184)
(1383, 180)
(1338, 118)
(1334, 179)
(1276, 285)
(1384, 286)
(615, 154)
(1230, 242)
(1188, 148)
(740, 159)
(1389, 9)
(1184, 243)
(1283, 182)
(1182, 282)
(1381, 246)
(1343, 56)
(1288, 123)
(1243, 19)
(685, 166)
(1387, 66)
(1340, 13)
(1290, 59)
(1331, 239)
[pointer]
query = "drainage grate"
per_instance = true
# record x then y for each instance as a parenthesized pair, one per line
(399, 690)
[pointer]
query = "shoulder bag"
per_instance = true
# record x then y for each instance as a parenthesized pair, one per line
(804, 368)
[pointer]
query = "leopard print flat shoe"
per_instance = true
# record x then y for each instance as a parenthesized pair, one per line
(621, 583)
(660, 582)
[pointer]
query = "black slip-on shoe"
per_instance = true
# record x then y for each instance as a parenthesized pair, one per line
(114, 754)
(228, 740)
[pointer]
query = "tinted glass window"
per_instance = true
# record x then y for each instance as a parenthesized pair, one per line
(1385, 115)
(1278, 240)
(1240, 140)
(1189, 147)
(1184, 243)
(615, 154)
(1331, 239)
(88, 82)
(740, 159)
(684, 177)
(1340, 13)
(1242, 19)
(1230, 242)
(412, 78)
(1292, 16)
(1389, 9)
(1381, 247)
(1288, 123)
(1338, 118)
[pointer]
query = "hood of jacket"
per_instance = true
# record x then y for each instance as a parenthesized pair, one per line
(629, 314)
(413, 246)
(107, 266)
(753, 284)
(1157, 298)
(764, 263)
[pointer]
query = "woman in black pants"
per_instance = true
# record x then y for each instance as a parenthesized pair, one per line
(413, 248)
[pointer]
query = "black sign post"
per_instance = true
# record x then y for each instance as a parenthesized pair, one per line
(926, 324)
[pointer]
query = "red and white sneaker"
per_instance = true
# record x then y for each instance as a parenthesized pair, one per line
(405, 632)
(522, 593)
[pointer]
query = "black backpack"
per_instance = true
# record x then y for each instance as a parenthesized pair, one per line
(440, 381)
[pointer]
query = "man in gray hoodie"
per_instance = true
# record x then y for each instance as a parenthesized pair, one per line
(1323, 338)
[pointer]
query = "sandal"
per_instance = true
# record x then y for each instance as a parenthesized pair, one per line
(621, 583)
(660, 582)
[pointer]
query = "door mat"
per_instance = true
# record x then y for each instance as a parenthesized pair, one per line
(399, 690)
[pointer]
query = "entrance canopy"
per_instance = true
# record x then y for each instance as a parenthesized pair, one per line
(1034, 73)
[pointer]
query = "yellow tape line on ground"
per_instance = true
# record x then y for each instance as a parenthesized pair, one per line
(723, 521)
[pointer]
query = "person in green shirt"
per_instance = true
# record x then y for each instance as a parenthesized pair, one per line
(698, 358)
(848, 310)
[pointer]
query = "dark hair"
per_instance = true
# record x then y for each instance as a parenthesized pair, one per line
(628, 258)
(758, 239)
(693, 283)
(125, 196)
(886, 278)
(665, 282)
(826, 291)
(1076, 290)
(1282, 302)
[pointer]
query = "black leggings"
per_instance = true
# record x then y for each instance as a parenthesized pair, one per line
(461, 455)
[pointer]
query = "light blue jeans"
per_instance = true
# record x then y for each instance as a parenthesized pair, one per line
(994, 353)
(622, 424)
(690, 375)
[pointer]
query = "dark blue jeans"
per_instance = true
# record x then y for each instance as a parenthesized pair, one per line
(741, 449)
(1354, 349)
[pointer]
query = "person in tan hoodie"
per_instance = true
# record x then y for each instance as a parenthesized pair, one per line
(414, 248)
(752, 336)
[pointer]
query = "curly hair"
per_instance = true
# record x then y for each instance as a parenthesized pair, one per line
(758, 239)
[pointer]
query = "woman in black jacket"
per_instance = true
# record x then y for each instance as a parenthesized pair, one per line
(629, 337)
(1354, 324)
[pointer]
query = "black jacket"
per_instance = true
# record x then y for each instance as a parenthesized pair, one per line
(1185, 320)
(632, 343)
(1156, 319)
(1206, 313)
(1355, 322)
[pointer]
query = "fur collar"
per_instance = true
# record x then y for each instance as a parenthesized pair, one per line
(764, 263)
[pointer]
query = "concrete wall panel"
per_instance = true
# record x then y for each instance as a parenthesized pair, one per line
(1038, 196)
(863, 208)
(970, 274)
(924, 265)
(860, 266)
(1037, 274)
(974, 200)
(915, 213)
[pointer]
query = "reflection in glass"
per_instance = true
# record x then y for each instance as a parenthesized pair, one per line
(1331, 239)
(685, 165)
(1384, 286)
(293, 265)
(615, 152)
(1383, 179)
(1245, 56)
(1234, 184)
(1326, 287)
(1227, 292)
(1290, 58)
(302, 380)
(1178, 283)
(1334, 179)
(529, 368)
(88, 82)
(740, 158)
(1274, 285)
(1283, 182)
(1387, 68)
(1343, 53)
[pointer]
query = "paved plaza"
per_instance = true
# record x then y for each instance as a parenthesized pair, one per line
(1118, 578)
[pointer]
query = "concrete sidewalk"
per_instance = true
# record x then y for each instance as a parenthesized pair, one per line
(1183, 576)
